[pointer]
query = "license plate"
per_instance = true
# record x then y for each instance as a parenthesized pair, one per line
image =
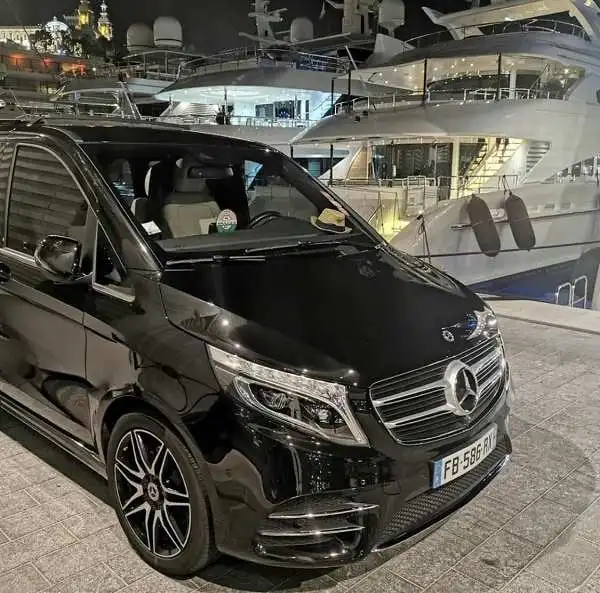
(458, 464)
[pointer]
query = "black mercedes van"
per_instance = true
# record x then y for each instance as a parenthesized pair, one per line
(251, 367)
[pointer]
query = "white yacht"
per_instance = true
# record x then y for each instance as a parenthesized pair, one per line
(285, 82)
(270, 91)
(486, 160)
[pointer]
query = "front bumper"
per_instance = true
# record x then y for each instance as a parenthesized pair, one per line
(335, 529)
(332, 528)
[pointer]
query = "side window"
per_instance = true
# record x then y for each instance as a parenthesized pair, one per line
(108, 273)
(6, 154)
(44, 200)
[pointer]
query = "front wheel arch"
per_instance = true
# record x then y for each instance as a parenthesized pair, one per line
(128, 404)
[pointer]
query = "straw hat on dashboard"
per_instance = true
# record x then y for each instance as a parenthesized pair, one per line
(330, 220)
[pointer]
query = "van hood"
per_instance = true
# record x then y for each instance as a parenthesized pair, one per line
(348, 314)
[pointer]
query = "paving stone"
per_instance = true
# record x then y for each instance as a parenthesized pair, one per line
(14, 502)
(245, 577)
(89, 523)
(541, 522)
(323, 584)
(129, 566)
(53, 489)
(592, 584)
(588, 524)
(98, 579)
(530, 583)
(498, 560)
(34, 519)
(480, 519)
(351, 574)
(577, 491)
(427, 561)
(383, 580)
(87, 552)
(12, 481)
(518, 486)
(32, 546)
(156, 583)
(568, 562)
(454, 582)
(24, 579)
(519, 426)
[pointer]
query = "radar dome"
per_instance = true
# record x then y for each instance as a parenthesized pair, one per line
(301, 29)
(168, 33)
(391, 15)
(139, 37)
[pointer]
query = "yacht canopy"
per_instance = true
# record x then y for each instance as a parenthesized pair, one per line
(479, 55)
(585, 11)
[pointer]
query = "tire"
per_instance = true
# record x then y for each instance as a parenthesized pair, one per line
(159, 498)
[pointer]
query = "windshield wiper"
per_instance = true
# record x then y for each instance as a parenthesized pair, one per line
(258, 254)
(312, 244)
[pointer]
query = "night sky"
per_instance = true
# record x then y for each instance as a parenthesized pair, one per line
(209, 25)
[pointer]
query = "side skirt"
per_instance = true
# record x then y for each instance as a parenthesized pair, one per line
(72, 446)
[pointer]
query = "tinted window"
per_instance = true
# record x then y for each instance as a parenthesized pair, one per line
(44, 200)
(6, 154)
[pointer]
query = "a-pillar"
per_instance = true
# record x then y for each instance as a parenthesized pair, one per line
(454, 180)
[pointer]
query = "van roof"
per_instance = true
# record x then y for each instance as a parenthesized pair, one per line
(94, 130)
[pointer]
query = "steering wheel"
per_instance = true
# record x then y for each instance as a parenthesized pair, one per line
(263, 218)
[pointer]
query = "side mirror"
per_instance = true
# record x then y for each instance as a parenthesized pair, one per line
(59, 258)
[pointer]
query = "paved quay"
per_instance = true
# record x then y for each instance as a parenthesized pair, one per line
(535, 530)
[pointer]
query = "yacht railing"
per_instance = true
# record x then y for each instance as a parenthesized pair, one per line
(544, 25)
(264, 57)
(446, 184)
(447, 96)
(389, 204)
(238, 120)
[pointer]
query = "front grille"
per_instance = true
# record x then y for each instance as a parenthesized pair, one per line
(413, 405)
(435, 503)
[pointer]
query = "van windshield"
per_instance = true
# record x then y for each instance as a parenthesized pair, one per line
(221, 196)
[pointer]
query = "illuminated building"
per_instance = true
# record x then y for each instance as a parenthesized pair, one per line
(105, 27)
(18, 35)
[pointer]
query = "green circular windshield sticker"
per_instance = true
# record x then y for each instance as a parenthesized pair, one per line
(226, 221)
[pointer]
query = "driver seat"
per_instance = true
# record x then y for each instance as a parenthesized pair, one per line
(190, 208)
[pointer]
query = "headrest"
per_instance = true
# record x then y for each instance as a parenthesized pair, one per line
(159, 172)
(140, 209)
(191, 175)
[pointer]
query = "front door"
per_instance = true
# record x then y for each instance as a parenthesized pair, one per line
(42, 336)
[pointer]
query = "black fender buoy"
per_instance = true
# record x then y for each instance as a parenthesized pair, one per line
(519, 221)
(483, 226)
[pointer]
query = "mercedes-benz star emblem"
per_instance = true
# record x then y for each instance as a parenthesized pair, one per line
(447, 335)
(461, 388)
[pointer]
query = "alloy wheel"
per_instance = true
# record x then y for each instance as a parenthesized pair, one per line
(152, 493)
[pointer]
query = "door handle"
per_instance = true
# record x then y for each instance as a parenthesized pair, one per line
(4, 273)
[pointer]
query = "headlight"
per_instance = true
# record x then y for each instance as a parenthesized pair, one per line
(483, 323)
(311, 405)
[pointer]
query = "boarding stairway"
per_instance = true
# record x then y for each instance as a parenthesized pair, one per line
(488, 165)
